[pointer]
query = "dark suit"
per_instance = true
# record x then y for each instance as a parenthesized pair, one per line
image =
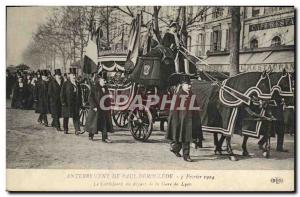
(41, 97)
(99, 120)
(183, 125)
(278, 125)
(55, 103)
(71, 102)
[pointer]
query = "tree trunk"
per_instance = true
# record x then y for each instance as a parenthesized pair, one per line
(156, 25)
(184, 33)
(107, 26)
(234, 40)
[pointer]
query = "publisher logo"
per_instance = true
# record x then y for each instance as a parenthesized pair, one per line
(277, 180)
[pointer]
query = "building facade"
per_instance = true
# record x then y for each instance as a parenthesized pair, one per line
(266, 38)
(267, 35)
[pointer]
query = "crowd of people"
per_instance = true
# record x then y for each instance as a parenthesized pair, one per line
(58, 95)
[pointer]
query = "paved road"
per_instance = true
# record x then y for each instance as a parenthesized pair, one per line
(30, 145)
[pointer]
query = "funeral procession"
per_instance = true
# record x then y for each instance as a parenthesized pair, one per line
(150, 87)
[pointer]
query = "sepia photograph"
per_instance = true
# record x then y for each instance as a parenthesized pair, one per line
(150, 98)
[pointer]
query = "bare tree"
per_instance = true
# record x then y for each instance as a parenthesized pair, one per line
(235, 40)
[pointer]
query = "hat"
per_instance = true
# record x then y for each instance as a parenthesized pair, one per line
(73, 71)
(173, 24)
(178, 78)
(103, 74)
(44, 72)
(57, 72)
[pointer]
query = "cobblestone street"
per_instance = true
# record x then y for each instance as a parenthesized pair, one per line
(31, 145)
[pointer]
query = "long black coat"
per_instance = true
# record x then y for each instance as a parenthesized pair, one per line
(41, 97)
(99, 120)
(183, 125)
(54, 90)
(19, 96)
(71, 100)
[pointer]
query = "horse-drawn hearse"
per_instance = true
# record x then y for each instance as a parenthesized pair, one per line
(222, 99)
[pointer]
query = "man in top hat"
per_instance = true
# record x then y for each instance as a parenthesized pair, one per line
(99, 118)
(171, 40)
(41, 98)
(54, 98)
(71, 101)
(184, 124)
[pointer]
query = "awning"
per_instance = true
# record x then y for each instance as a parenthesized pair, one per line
(254, 61)
(281, 57)
(255, 58)
(220, 59)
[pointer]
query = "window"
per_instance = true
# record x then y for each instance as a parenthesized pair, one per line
(276, 41)
(228, 38)
(254, 44)
(255, 11)
(217, 12)
(216, 40)
(200, 44)
(270, 10)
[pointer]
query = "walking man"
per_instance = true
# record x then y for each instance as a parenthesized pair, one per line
(41, 98)
(99, 116)
(71, 102)
(184, 124)
(54, 98)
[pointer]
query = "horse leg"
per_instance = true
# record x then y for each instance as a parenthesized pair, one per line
(244, 146)
(232, 157)
(266, 152)
(218, 143)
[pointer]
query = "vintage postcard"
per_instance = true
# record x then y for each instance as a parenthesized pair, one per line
(150, 98)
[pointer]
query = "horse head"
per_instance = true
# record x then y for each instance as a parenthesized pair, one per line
(237, 90)
(282, 82)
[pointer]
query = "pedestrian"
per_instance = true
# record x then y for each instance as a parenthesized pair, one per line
(19, 95)
(41, 98)
(9, 84)
(71, 102)
(278, 125)
(99, 116)
(54, 98)
(267, 125)
(184, 125)
(29, 88)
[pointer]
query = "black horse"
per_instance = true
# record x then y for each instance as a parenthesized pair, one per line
(220, 103)
(281, 82)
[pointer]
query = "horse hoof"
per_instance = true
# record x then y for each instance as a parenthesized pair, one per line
(245, 153)
(233, 158)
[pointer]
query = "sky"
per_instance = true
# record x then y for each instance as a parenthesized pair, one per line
(22, 22)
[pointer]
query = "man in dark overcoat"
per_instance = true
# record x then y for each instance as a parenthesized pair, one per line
(99, 116)
(71, 101)
(9, 83)
(41, 98)
(278, 125)
(184, 125)
(54, 98)
(20, 94)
